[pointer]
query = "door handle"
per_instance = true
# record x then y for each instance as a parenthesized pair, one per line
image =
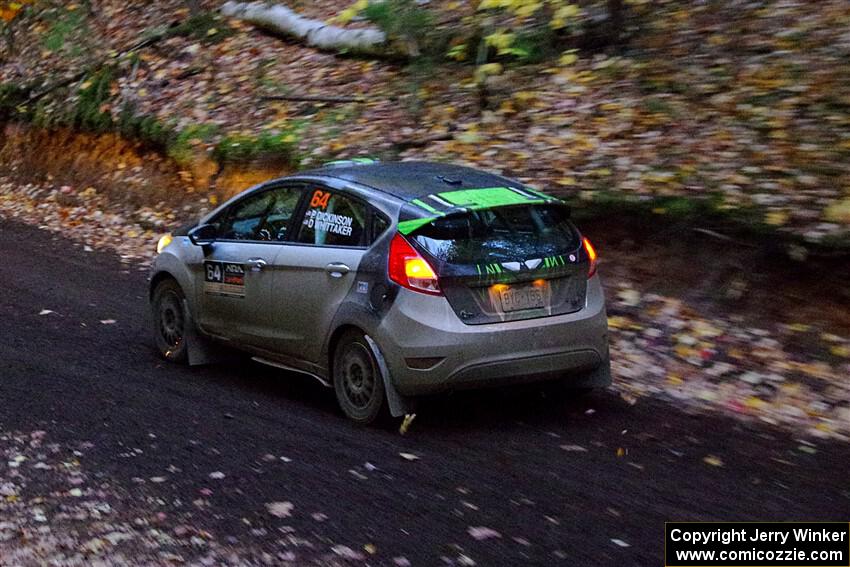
(256, 264)
(337, 269)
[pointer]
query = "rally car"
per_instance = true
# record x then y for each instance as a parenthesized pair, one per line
(388, 281)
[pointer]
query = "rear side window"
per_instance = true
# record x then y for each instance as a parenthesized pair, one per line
(333, 219)
(502, 234)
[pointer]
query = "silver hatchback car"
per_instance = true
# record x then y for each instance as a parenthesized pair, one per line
(388, 281)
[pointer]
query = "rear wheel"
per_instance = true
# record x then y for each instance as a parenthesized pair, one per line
(357, 379)
(169, 317)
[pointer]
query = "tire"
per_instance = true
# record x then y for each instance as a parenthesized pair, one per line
(357, 379)
(169, 321)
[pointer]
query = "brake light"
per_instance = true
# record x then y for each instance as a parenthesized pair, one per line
(591, 254)
(408, 269)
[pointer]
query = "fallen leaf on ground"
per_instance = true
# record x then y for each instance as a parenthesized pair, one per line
(713, 461)
(280, 509)
(481, 533)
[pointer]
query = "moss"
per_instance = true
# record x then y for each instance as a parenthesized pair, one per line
(181, 147)
(66, 24)
(89, 113)
(267, 146)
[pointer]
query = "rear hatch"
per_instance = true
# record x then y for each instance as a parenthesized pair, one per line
(507, 263)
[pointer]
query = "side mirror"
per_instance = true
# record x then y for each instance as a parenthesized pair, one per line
(203, 235)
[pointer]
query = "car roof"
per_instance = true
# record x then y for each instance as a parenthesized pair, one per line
(409, 180)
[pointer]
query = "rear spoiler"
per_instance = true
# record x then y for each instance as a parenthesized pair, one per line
(421, 211)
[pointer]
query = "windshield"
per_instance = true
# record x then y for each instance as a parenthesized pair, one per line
(502, 234)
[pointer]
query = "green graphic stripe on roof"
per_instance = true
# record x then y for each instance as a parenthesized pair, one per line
(483, 198)
(426, 206)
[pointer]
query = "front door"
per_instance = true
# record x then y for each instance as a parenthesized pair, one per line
(238, 270)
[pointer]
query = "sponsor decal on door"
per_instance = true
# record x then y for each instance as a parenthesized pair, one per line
(224, 278)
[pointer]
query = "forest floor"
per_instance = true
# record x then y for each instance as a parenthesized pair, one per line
(743, 108)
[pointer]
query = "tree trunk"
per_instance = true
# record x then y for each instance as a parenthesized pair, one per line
(314, 33)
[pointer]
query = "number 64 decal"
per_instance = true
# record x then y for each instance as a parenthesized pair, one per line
(213, 272)
(320, 199)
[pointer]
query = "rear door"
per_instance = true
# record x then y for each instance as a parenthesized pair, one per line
(314, 274)
(238, 271)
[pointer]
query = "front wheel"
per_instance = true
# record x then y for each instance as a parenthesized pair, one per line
(169, 318)
(357, 379)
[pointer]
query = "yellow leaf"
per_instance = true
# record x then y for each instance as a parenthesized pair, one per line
(713, 461)
(568, 58)
(500, 40)
(487, 70)
(840, 350)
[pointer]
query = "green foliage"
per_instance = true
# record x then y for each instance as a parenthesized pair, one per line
(181, 147)
(405, 22)
(93, 95)
(146, 129)
(536, 44)
(67, 24)
(280, 146)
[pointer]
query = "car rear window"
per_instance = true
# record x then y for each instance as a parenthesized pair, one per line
(501, 234)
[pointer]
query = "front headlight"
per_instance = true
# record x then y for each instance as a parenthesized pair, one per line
(163, 243)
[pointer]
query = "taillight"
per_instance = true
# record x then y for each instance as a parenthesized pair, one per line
(591, 254)
(408, 269)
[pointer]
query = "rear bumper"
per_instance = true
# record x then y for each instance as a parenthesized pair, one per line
(423, 330)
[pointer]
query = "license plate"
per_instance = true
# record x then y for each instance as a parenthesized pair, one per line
(517, 298)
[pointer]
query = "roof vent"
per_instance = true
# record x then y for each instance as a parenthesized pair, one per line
(350, 162)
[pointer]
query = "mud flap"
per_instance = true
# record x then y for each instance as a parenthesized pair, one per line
(399, 405)
(200, 349)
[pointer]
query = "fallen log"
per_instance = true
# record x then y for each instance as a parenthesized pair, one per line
(315, 33)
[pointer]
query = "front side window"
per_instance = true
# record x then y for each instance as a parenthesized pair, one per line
(263, 217)
(242, 221)
(276, 225)
(333, 219)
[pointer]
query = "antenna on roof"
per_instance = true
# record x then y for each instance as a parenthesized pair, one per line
(352, 161)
